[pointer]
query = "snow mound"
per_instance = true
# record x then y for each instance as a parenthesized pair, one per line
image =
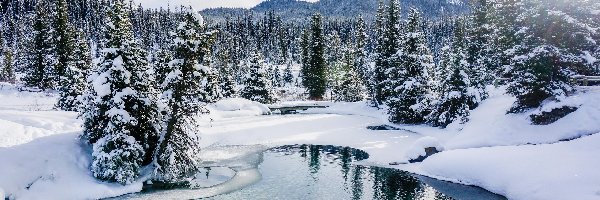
(566, 170)
(418, 148)
(55, 166)
(19, 127)
(237, 107)
(489, 124)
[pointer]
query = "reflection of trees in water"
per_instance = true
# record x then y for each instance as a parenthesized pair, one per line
(393, 184)
(387, 183)
(357, 182)
(346, 159)
(315, 158)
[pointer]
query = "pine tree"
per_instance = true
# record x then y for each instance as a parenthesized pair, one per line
(377, 81)
(476, 89)
(452, 103)
(121, 112)
(479, 36)
(409, 101)
(228, 86)
(350, 88)
(64, 41)
(314, 75)
(361, 54)
(161, 66)
(288, 77)
(74, 79)
(257, 86)
(42, 72)
(7, 72)
(184, 95)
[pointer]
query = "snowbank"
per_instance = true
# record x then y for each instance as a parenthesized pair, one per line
(418, 148)
(489, 124)
(54, 167)
(566, 170)
(237, 107)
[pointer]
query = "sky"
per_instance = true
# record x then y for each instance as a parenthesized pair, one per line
(202, 4)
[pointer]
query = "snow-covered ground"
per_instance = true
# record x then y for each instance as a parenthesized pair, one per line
(41, 157)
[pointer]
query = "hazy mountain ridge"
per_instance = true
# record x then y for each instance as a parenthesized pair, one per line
(300, 10)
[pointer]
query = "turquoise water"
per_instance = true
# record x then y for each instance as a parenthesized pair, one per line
(308, 172)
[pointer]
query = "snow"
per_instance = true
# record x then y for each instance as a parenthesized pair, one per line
(237, 107)
(418, 148)
(566, 170)
(40, 150)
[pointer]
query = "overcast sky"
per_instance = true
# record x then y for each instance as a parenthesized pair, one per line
(202, 4)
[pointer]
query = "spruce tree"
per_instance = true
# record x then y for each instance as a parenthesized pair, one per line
(42, 68)
(379, 77)
(256, 85)
(74, 79)
(7, 71)
(360, 53)
(409, 102)
(121, 112)
(161, 66)
(315, 80)
(64, 41)
(288, 77)
(452, 101)
(350, 88)
(184, 95)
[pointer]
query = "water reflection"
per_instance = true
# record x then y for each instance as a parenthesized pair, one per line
(327, 172)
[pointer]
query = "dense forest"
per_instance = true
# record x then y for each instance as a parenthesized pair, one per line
(140, 76)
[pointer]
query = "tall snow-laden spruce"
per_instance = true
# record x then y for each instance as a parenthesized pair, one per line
(378, 77)
(408, 103)
(42, 68)
(74, 79)
(64, 41)
(314, 77)
(361, 55)
(452, 102)
(256, 84)
(185, 96)
(350, 88)
(480, 35)
(121, 112)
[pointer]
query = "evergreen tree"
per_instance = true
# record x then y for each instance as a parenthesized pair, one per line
(288, 77)
(42, 68)
(121, 112)
(184, 95)
(228, 84)
(7, 72)
(350, 88)
(315, 80)
(73, 81)
(378, 77)
(64, 41)
(361, 54)
(409, 102)
(453, 100)
(479, 50)
(537, 77)
(161, 66)
(257, 86)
